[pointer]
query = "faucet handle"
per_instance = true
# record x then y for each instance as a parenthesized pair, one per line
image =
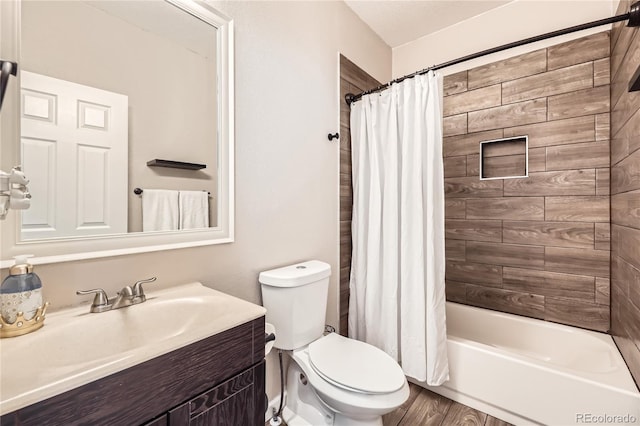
(100, 301)
(138, 291)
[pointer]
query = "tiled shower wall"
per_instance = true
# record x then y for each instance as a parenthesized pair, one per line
(352, 80)
(535, 246)
(625, 198)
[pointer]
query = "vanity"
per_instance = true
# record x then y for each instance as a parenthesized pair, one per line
(188, 355)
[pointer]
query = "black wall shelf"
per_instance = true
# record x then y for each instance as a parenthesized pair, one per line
(175, 164)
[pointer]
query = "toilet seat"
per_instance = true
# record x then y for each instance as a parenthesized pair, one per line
(355, 366)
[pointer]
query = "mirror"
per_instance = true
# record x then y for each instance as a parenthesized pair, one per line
(123, 124)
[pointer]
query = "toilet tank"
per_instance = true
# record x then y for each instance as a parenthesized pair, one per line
(295, 297)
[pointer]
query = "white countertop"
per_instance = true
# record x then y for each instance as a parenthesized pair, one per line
(76, 347)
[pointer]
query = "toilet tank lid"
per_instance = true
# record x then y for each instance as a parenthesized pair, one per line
(296, 275)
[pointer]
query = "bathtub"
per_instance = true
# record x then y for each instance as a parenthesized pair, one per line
(528, 371)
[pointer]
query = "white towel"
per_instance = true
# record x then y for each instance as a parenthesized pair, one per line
(159, 210)
(194, 209)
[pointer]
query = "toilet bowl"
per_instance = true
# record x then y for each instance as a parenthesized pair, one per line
(332, 379)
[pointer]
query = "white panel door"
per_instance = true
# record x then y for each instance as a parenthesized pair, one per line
(74, 141)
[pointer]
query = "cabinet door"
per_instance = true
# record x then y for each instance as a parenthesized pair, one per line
(238, 401)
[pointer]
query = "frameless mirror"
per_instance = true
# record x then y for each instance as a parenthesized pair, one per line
(122, 121)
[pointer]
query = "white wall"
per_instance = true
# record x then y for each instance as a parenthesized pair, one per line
(511, 22)
(287, 86)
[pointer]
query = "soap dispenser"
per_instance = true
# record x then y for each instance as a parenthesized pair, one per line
(21, 306)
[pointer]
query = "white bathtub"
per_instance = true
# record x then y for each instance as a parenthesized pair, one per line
(528, 371)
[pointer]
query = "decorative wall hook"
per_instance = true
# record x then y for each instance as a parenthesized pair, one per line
(333, 136)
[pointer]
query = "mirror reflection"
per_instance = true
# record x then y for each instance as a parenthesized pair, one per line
(109, 90)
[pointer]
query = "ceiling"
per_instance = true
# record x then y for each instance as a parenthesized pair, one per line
(400, 21)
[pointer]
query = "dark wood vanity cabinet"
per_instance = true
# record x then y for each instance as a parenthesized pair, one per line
(216, 381)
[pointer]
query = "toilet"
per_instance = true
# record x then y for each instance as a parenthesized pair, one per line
(331, 379)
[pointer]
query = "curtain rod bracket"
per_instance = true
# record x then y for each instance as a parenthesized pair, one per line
(349, 98)
(634, 15)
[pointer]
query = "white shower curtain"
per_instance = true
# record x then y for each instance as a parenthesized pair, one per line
(397, 300)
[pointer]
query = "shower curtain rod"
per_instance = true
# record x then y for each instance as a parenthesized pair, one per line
(634, 21)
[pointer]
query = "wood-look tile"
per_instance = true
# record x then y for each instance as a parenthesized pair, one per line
(517, 114)
(602, 236)
(428, 409)
(473, 165)
(625, 204)
(473, 230)
(514, 302)
(537, 159)
(454, 208)
(619, 147)
(472, 187)
(603, 181)
(580, 50)
(356, 75)
(523, 256)
(472, 100)
(345, 231)
(577, 209)
(455, 291)
(603, 126)
(468, 143)
(521, 208)
(631, 354)
(454, 83)
(625, 176)
(454, 125)
(580, 102)
(345, 162)
(462, 415)
(630, 317)
(622, 74)
(560, 132)
(414, 391)
(578, 156)
(623, 7)
(492, 421)
(454, 249)
(625, 209)
(508, 69)
(569, 182)
(576, 261)
(603, 286)
(549, 283)
(629, 242)
(562, 80)
(577, 312)
(601, 72)
(558, 234)
(455, 166)
(475, 273)
(625, 137)
(624, 110)
(633, 131)
(622, 274)
(506, 166)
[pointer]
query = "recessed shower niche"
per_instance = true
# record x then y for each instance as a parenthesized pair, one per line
(505, 158)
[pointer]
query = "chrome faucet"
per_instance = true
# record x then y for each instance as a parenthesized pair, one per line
(126, 297)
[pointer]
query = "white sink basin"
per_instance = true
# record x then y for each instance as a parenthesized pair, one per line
(76, 347)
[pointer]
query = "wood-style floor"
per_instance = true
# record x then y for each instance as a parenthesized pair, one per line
(427, 408)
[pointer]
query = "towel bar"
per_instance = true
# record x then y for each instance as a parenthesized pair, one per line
(139, 191)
